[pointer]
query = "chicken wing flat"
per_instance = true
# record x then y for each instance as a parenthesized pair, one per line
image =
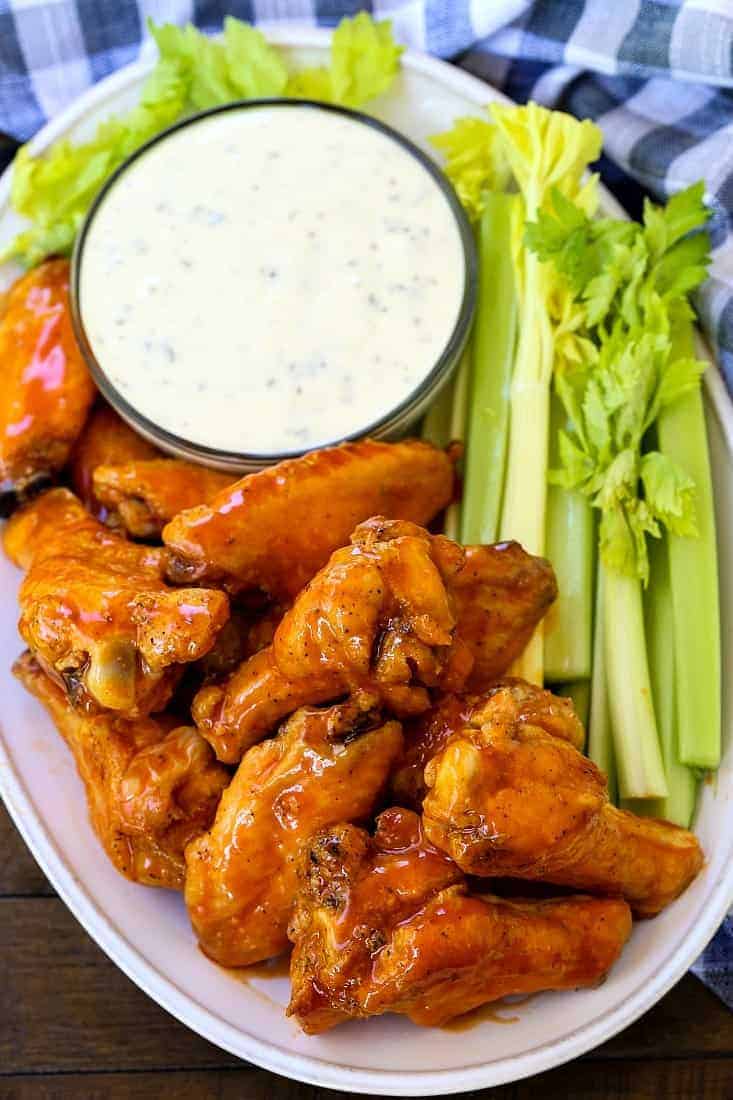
(150, 788)
(387, 924)
(324, 766)
(96, 612)
(275, 529)
(380, 616)
(427, 735)
(147, 494)
(376, 618)
(106, 440)
(46, 388)
(509, 798)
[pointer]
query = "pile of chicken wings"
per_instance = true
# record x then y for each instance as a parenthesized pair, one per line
(289, 699)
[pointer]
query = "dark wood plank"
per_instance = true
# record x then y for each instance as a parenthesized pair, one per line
(670, 1080)
(19, 872)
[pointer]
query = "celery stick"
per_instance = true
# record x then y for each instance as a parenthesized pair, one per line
(694, 579)
(493, 355)
(679, 805)
(436, 425)
(570, 547)
(578, 691)
(635, 739)
(600, 734)
(459, 416)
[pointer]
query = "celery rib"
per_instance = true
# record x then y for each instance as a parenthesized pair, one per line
(693, 564)
(679, 805)
(636, 741)
(493, 354)
(457, 432)
(600, 733)
(570, 545)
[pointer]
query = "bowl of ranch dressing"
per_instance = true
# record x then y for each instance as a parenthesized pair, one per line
(273, 276)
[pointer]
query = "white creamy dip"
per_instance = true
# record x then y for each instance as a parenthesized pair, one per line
(270, 279)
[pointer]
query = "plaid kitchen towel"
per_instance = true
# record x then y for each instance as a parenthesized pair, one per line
(656, 75)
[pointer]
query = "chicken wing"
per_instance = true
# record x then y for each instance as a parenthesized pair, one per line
(106, 440)
(507, 797)
(324, 766)
(96, 612)
(380, 617)
(376, 618)
(275, 529)
(427, 735)
(150, 788)
(387, 924)
(147, 494)
(46, 389)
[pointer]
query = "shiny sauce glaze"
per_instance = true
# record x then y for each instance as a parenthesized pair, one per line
(268, 280)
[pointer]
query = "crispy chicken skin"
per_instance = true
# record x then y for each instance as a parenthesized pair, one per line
(106, 440)
(387, 924)
(147, 494)
(324, 766)
(507, 797)
(96, 612)
(376, 618)
(46, 388)
(275, 529)
(150, 788)
(379, 616)
(500, 594)
(426, 735)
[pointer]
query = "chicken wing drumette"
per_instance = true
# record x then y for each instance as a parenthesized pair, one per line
(323, 766)
(146, 494)
(427, 735)
(46, 389)
(387, 924)
(380, 616)
(509, 797)
(151, 788)
(106, 440)
(96, 612)
(275, 529)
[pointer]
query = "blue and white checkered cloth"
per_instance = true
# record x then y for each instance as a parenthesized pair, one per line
(656, 75)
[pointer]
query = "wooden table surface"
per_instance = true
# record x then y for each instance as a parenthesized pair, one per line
(73, 1026)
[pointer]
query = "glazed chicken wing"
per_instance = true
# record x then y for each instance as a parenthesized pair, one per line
(324, 766)
(427, 735)
(380, 616)
(147, 494)
(106, 440)
(96, 612)
(507, 797)
(275, 529)
(387, 924)
(150, 788)
(46, 389)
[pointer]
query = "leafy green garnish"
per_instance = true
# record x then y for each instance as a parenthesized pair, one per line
(194, 72)
(632, 281)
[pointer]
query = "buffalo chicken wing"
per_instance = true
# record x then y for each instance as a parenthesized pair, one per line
(427, 735)
(46, 388)
(509, 797)
(381, 616)
(387, 924)
(275, 529)
(96, 612)
(324, 766)
(147, 494)
(106, 440)
(150, 788)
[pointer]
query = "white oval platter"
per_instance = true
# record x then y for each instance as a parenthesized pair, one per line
(146, 932)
